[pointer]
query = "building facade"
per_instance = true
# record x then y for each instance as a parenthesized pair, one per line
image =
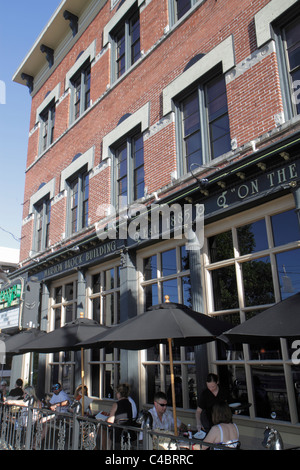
(141, 105)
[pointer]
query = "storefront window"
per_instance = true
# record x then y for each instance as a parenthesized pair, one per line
(167, 273)
(63, 310)
(251, 267)
(252, 237)
(104, 304)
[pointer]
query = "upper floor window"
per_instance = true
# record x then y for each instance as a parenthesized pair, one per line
(40, 207)
(129, 171)
(291, 36)
(42, 211)
(75, 183)
(178, 8)
(47, 118)
(78, 202)
(81, 90)
(126, 44)
(280, 21)
(204, 123)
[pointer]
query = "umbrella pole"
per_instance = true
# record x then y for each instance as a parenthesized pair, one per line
(173, 386)
(82, 381)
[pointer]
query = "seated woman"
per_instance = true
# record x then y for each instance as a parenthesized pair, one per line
(121, 411)
(223, 431)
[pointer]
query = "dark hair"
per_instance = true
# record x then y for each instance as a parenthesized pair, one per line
(123, 390)
(19, 382)
(221, 413)
(158, 395)
(212, 378)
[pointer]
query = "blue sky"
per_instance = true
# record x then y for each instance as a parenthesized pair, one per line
(21, 22)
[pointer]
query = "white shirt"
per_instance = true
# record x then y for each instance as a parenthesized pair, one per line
(59, 398)
(133, 407)
(167, 422)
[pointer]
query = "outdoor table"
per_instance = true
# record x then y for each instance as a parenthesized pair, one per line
(238, 407)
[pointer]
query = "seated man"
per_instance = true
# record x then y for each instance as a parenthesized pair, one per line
(163, 418)
(60, 400)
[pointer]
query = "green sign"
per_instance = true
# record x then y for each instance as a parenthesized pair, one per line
(10, 296)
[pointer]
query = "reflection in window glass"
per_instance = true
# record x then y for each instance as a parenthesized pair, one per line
(288, 268)
(258, 282)
(150, 268)
(168, 261)
(185, 261)
(186, 291)
(177, 385)
(224, 288)
(220, 247)
(151, 295)
(170, 288)
(280, 223)
(252, 237)
(270, 392)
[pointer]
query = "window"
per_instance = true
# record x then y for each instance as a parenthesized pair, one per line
(204, 124)
(249, 267)
(79, 201)
(126, 44)
(47, 119)
(130, 171)
(81, 90)
(63, 310)
(291, 40)
(104, 301)
(166, 272)
(42, 223)
(178, 8)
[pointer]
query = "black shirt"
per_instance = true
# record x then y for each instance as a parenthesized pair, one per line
(206, 402)
(17, 393)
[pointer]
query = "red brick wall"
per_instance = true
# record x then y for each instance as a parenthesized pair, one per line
(253, 98)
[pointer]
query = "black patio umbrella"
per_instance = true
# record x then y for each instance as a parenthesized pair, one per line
(282, 320)
(162, 323)
(14, 343)
(67, 338)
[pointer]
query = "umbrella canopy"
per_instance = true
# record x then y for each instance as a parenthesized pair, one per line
(14, 343)
(162, 323)
(67, 337)
(282, 320)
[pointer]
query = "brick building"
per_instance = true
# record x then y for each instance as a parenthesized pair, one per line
(162, 102)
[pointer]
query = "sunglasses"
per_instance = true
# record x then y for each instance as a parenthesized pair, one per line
(56, 387)
(161, 404)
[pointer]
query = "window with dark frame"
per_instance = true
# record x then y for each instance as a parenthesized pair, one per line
(130, 171)
(42, 212)
(82, 90)
(48, 121)
(79, 201)
(291, 39)
(127, 44)
(205, 126)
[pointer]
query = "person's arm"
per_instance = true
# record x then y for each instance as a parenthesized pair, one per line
(198, 418)
(111, 418)
(15, 402)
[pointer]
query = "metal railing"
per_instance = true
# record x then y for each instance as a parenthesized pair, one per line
(26, 428)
